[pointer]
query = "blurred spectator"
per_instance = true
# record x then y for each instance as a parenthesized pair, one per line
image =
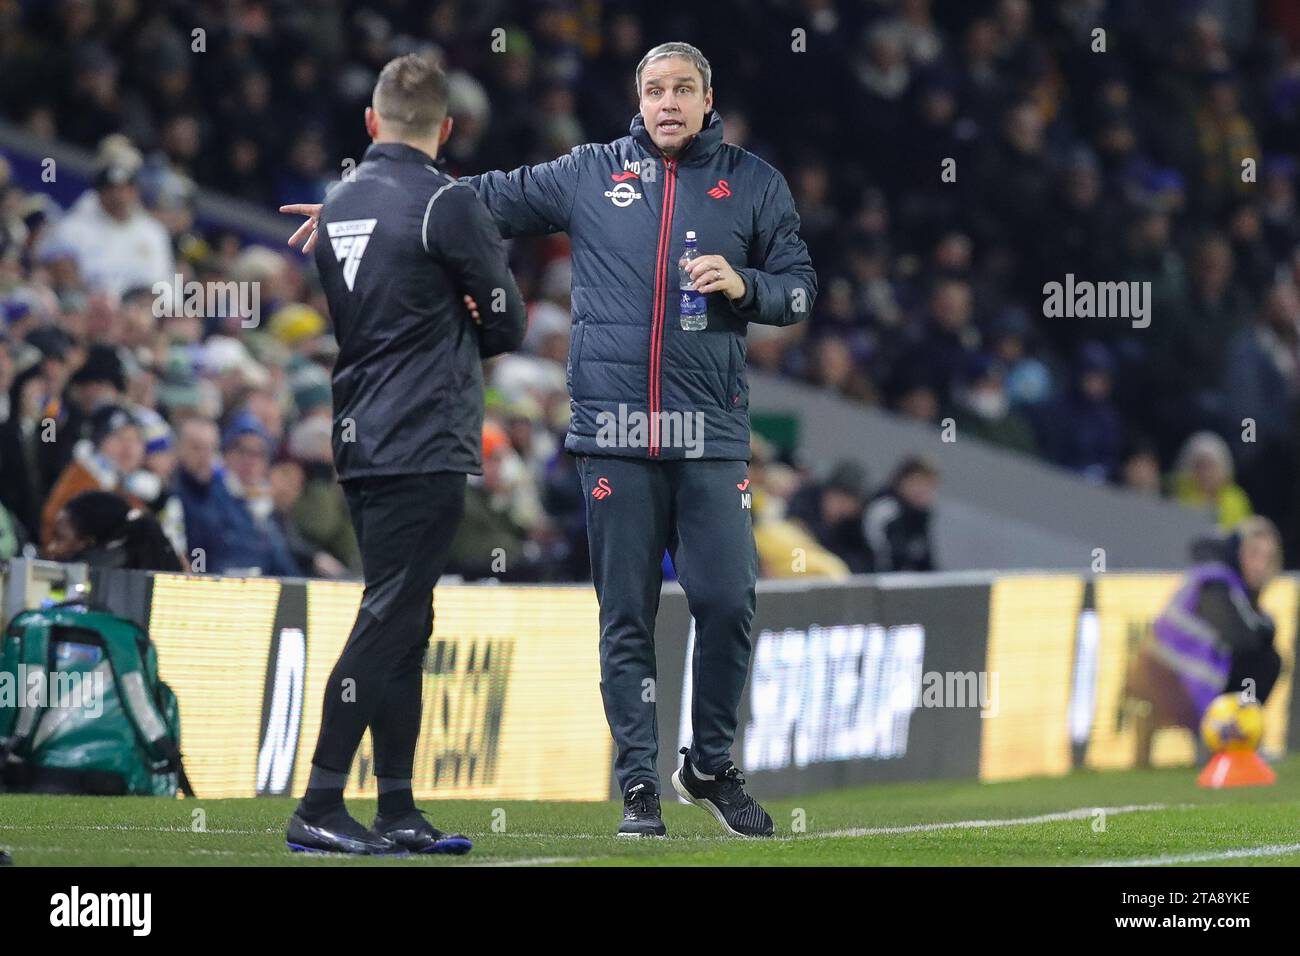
(1082, 429)
(320, 512)
(116, 244)
(785, 547)
(99, 381)
(1140, 471)
(105, 461)
(831, 511)
(1189, 347)
(101, 529)
(227, 506)
(1203, 479)
(1279, 217)
(11, 540)
(1262, 385)
(940, 348)
(22, 479)
(1028, 380)
(896, 523)
(917, 400)
(500, 507)
(154, 482)
(982, 408)
(286, 481)
(832, 367)
(1226, 138)
(1020, 156)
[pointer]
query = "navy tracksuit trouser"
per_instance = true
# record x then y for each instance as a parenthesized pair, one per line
(697, 509)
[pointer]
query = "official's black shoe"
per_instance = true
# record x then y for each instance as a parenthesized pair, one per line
(336, 832)
(641, 813)
(411, 831)
(724, 796)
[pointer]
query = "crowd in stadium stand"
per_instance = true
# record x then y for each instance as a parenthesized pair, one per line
(1122, 164)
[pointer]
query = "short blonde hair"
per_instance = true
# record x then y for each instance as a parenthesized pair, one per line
(411, 95)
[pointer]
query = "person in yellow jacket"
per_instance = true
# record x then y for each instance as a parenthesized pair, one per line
(1203, 479)
(786, 549)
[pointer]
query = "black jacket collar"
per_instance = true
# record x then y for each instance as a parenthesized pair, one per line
(400, 152)
(698, 151)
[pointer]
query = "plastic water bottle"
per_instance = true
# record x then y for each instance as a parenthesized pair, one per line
(694, 308)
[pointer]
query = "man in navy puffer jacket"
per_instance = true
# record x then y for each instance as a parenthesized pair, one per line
(660, 416)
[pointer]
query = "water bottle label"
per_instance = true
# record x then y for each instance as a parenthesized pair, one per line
(693, 303)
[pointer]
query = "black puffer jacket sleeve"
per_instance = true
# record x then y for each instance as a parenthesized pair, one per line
(464, 238)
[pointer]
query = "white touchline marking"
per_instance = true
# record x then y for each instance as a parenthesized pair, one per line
(282, 855)
(1274, 849)
(612, 838)
(137, 850)
(536, 861)
(1082, 813)
(130, 828)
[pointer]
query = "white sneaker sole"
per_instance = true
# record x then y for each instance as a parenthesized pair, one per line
(702, 804)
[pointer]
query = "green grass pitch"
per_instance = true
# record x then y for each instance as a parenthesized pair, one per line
(1152, 817)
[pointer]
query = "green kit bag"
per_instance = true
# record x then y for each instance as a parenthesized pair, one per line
(82, 709)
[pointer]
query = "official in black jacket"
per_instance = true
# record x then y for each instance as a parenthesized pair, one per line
(402, 250)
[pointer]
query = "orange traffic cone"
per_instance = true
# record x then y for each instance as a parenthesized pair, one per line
(1236, 768)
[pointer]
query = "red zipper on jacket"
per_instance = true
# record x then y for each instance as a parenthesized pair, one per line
(657, 318)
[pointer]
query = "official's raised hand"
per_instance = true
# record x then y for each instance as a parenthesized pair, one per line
(306, 233)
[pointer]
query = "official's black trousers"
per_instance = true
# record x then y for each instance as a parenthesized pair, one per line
(405, 525)
(698, 509)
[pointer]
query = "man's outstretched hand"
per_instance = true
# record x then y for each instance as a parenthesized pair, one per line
(306, 233)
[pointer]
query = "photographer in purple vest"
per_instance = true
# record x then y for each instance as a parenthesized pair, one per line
(1213, 637)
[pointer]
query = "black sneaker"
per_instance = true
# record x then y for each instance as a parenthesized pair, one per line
(724, 796)
(641, 813)
(336, 832)
(412, 832)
